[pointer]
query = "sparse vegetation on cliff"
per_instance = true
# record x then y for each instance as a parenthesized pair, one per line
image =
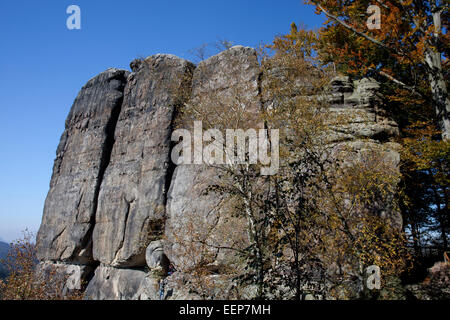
(25, 282)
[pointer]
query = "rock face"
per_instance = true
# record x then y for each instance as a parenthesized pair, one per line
(81, 159)
(115, 194)
(111, 283)
(230, 73)
(364, 128)
(358, 107)
(131, 206)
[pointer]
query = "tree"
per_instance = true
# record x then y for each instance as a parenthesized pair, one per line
(24, 282)
(331, 206)
(294, 84)
(197, 250)
(410, 50)
(426, 185)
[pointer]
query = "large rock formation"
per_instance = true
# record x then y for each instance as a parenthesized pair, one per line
(115, 194)
(131, 204)
(216, 80)
(81, 160)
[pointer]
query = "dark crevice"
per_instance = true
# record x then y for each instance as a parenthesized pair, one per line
(127, 214)
(89, 274)
(169, 174)
(110, 128)
(186, 82)
(260, 89)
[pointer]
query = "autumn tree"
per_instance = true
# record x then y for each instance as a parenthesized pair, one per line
(293, 87)
(25, 282)
(426, 186)
(239, 182)
(332, 206)
(405, 46)
(196, 244)
(409, 51)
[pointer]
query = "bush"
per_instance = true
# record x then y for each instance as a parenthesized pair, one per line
(24, 282)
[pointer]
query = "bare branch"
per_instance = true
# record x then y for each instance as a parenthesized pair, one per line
(398, 82)
(365, 36)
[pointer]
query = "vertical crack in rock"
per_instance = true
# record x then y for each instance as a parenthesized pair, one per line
(184, 95)
(81, 159)
(127, 215)
(140, 163)
(216, 81)
(104, 162)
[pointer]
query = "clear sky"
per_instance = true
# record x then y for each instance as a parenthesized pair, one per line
(43, 65)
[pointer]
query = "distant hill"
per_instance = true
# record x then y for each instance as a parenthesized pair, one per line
(4, 248)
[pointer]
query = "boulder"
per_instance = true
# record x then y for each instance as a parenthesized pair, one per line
(111, 283)
(155, 256)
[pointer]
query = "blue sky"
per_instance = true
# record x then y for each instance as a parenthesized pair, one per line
(43, 65)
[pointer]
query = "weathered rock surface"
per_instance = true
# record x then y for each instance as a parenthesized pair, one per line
(155, 256)
(357, 108)
(131, 206)
(111, 283)
(74, 276)
(82, 156)
(115, 194)
(217, 80)
(362, 127)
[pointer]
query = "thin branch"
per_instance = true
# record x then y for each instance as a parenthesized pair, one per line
(218, 247)
(398, 82)
(383, 5)
(369, 38)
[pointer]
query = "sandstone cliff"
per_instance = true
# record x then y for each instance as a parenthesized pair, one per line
(114, 192)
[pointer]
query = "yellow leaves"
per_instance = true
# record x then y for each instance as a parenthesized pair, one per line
(24, 283)
(299, 42)
(380, 244)
(423, 150)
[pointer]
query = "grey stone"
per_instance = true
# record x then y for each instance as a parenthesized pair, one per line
(359, 111)
(221, 77)
(131, 206)
(111, 283)
(81, 157)
(155, 256)
(149, 289)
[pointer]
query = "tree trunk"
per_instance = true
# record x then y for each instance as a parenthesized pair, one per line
(437, 82)
(415, 237)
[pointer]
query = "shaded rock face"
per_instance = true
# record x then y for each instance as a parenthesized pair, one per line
(358, 108)
(115, 194)
(81, 158)
(132, 198)
(232, 72)
(111, 283)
